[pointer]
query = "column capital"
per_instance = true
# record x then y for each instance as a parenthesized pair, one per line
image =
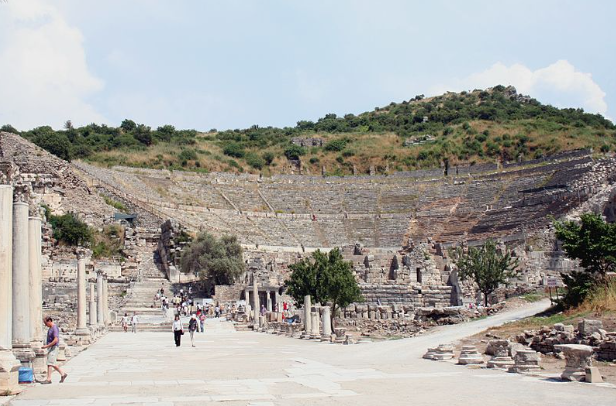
(21, 193)
(80, 252)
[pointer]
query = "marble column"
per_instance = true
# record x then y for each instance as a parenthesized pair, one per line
(82, 328)
(307, 317)
(36, 292)
(255, 295)
(21, 282)
(9, 365)
(99, 296)
(248, 306)
(106, 319)
(93, 322)
(269, 301)
(327, 324)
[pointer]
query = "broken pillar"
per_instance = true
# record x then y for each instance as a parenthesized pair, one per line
(327, 324)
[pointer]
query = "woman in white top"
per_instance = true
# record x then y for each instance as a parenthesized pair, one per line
(178, 330)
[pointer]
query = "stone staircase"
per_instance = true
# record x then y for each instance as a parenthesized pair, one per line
(140, 296)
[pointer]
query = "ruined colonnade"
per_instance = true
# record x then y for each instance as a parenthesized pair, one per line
(21, 289)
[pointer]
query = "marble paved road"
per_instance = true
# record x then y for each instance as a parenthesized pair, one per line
(244, 368)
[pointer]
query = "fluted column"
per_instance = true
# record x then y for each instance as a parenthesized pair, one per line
(36, 291)
(100, 298)
(255, 294)
(307, 317)
(9, 365)
(93, 322)
(82, 329)
(21, 281)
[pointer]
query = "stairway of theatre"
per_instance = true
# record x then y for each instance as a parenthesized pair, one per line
(141, 293)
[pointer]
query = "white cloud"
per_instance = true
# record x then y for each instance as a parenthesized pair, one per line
(45, 77)
(559, 84)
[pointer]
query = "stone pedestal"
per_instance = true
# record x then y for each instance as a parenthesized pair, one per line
(430, 353)
(9, 365)
(21, 283)
(501, 358)
(99, 298)
(61, 352)
(579, 357)
(82, 329)
(327, 324)
(470, 356)
(307, 317)
(526, 361)
(443, 352)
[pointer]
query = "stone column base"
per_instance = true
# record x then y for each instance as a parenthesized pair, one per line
(24, 354)
(9, 373)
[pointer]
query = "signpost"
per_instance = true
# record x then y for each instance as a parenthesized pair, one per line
(552, 283)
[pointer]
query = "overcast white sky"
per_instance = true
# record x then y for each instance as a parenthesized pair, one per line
(231, 64)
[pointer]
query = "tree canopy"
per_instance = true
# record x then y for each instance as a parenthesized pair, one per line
(326, 277)
(592, 241)
(216, 259)
(485, 265)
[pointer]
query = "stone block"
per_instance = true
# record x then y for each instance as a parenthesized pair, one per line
(587, 327)
(593, 375)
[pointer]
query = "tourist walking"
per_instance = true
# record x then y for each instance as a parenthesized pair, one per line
(178, 330)
(125, 322)
(202, 321)
(192, 326)
(52, 345)
(133, 322)
(217, 311)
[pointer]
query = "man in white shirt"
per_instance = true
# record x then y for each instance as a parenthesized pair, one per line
(133, 322)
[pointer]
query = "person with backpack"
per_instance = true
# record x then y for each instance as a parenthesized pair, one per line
(178, 330)
(192, 326)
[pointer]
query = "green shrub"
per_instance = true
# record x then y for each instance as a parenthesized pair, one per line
(234, 149)
(268, 157)
(336, 145)
(68, 229)
(255, 160)
(188, 155)
(294, 152)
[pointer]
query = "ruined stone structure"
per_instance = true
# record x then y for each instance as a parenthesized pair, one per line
(395, 229)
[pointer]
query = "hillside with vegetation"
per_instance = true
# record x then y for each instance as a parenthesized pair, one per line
(496, 124)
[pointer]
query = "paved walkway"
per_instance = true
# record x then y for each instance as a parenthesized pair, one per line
(246, 368)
